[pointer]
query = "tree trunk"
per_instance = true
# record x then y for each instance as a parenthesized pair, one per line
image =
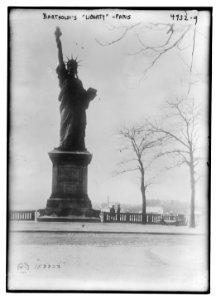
(192, 223)
(143, 197)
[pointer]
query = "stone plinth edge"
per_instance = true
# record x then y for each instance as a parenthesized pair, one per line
(70, 157)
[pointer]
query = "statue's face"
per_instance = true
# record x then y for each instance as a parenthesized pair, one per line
(71, 70)
(72, 67)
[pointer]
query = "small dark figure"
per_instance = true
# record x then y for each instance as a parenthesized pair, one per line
(118, 212)
(74, 102)
(112, 212)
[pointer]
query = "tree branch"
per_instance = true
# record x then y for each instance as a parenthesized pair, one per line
(192, 58)
(175, 137)
(163, 51)
(127, 28)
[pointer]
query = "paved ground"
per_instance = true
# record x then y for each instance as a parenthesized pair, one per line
(70, 256)
(103, 227)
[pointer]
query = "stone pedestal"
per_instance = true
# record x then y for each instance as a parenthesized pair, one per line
(69, 199)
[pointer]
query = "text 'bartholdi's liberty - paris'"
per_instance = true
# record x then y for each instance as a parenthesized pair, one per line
(99, 17)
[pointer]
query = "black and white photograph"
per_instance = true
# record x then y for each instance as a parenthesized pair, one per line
(109, 113)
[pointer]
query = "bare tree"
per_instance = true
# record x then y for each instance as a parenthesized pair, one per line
(181, 130)
(141, 146)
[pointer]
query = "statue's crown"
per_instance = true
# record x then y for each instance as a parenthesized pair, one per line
(73, 62)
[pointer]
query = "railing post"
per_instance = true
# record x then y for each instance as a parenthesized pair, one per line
(102, 217)
(127, 217)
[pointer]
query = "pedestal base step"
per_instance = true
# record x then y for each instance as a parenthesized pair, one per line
(68, 219)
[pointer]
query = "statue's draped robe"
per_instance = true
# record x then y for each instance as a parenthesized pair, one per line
(74, 102)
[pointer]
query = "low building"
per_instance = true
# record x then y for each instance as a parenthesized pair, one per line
(154, 210)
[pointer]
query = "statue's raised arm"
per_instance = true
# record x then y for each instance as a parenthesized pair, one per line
(59, 46)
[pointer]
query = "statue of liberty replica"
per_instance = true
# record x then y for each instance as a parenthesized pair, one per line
(69, 199)
(74, 100)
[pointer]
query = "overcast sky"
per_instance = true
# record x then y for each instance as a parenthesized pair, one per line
(122, 98)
